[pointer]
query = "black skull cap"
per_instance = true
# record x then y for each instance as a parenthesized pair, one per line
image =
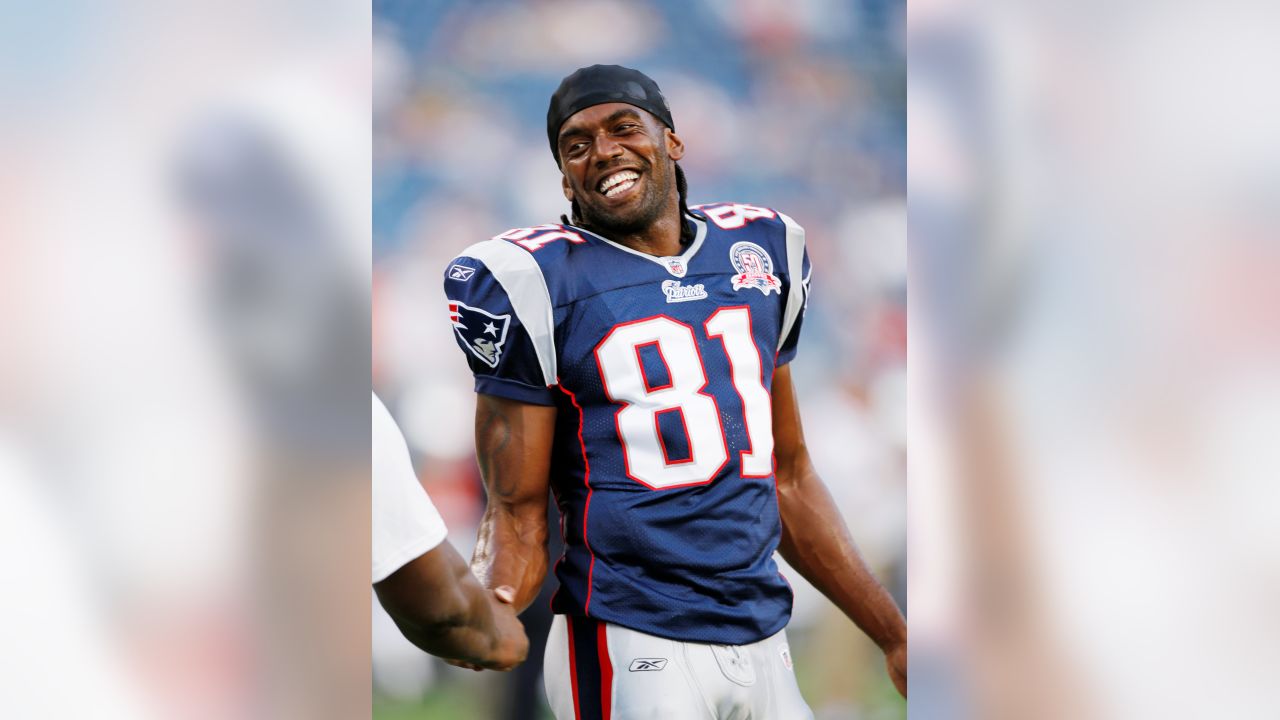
(600, 84)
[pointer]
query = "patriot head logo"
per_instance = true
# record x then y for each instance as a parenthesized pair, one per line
(755, 268)
(480, 332)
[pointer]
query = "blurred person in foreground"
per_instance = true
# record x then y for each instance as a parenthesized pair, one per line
(422, 582)
(634, 362)
(263, 184)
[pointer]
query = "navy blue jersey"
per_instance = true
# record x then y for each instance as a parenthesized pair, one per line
(661, 369)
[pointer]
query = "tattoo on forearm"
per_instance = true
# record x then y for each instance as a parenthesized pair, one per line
(492, 439)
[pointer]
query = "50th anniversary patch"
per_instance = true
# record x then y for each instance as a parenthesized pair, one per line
(755, 268)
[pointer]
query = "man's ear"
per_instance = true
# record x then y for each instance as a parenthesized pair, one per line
(675, 146)
(564, 185)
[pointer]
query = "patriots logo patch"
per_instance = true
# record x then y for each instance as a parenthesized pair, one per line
(480, 332)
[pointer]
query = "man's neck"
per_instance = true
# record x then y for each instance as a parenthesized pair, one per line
(661, 239)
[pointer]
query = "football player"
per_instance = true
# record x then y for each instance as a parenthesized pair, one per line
(425, 586)
(633, 359)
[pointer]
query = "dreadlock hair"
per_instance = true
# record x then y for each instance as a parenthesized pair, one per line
(682, 188)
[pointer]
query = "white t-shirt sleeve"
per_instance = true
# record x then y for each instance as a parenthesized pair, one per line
(405, 523)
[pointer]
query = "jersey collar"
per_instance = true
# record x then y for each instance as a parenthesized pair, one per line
(700, 234)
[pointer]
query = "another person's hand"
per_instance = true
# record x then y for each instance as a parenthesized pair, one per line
(896, 662)
(511, 645)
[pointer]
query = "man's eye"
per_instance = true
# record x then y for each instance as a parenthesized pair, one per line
(576, 148)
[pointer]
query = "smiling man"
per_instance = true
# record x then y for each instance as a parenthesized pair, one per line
(633, 360)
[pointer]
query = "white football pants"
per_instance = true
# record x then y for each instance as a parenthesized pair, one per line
(599, 671)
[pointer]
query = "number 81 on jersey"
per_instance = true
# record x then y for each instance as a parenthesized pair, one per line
(624, 381)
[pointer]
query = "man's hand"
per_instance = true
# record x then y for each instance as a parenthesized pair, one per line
(895, 659)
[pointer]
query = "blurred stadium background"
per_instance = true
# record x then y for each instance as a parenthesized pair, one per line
(799, 106)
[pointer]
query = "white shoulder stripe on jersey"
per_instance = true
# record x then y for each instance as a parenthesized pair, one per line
(795, 266)
(518, 273)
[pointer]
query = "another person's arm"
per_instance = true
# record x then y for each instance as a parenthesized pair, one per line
(513, 448)
(816, 541)
(441, 608)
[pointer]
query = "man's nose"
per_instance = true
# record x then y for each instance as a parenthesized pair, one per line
(607, 148)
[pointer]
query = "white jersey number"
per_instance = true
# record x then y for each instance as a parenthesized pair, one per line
(732, 216)
(618, 357)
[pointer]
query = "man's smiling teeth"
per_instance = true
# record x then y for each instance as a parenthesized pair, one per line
(618, 182)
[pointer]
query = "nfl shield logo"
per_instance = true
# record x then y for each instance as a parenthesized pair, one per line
(675, 266)
(480, 332)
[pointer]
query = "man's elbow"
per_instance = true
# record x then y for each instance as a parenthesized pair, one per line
(793, 470)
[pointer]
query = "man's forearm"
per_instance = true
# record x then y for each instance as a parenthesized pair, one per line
(513, 442)
(816, 542)
(511, 550)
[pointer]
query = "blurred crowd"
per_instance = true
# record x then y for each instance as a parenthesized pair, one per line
(797, 106)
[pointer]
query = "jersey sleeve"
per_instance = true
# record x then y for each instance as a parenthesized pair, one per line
(799, 273)
(405, 523)
(500, 313)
